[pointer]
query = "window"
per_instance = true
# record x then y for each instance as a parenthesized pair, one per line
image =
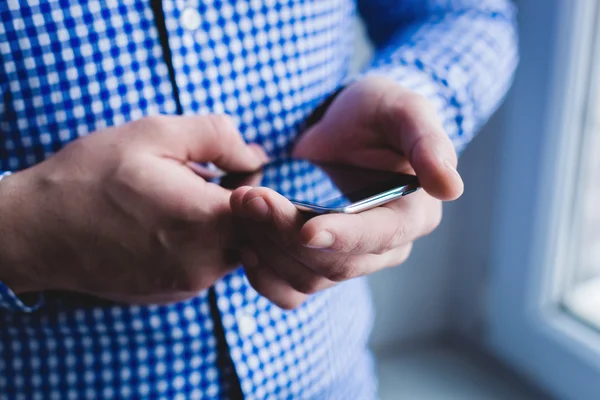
(543, 300)
(582, 290)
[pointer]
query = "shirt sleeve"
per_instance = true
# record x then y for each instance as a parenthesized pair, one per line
(459, 54)
(8, 299)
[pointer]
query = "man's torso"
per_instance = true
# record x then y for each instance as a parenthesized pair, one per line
(69, 68)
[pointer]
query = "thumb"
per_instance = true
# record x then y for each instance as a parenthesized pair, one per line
(211, 138)
(281, 219)
(414, 129)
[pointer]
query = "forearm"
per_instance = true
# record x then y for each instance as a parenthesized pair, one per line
(14, 281)
(9, 233)
(460, 56)
(6, 230)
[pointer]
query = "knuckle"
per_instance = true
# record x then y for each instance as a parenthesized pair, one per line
(399, 235)
(177, 212)
(183, 279)
(222, 125)
(152, 120)
(308, 285)
(125, 178)
(223, 134)
(259, 284)
(286, 241)
(343, 269)
(220, 120)
(442, 143)
(153, 128)
(416, 102)
(395, 239)
(290, 302)
(156, 124)
(126, 169)
(349, 241)
(407, 102)
(164, 278)
(283, 296)
(378, 80)
(354, 239)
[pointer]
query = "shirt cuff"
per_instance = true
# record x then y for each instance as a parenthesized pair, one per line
(11, 302)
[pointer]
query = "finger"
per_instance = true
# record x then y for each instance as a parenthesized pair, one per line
(151, 299)
(413, 127)
(210, 171)
(290, 269)
(205, 216)
(205, 171)
(277, 216)
(237, 180)
(374, 231)
(252, 179)
(395, 257)
(340, 268)
(266, 282)
(209, 138)
(195, 269)
(383, 159)
(165, 194)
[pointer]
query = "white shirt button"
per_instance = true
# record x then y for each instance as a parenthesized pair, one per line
(247, 324)
(191, 19)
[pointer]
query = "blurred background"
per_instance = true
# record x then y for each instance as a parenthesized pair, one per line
(503, 300)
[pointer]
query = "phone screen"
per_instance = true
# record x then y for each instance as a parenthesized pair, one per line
(322, 185)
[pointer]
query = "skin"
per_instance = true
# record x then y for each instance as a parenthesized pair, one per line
(374, 123)
(122, 214)
(125, 214)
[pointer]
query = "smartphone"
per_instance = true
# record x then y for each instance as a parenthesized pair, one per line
(319, 188)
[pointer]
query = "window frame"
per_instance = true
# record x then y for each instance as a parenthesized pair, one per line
(534, 207)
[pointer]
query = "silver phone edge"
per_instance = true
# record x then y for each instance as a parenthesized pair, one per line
(363, 205)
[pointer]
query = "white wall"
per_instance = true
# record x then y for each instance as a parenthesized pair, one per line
(470, 221)
(485, 164)
(410, 300)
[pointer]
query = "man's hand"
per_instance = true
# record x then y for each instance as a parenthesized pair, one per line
(375, 124)
(121, 214)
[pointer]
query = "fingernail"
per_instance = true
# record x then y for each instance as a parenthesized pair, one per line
(322, 240)
(452, 168)
(258, 209)
(249, 258)
(260, 153)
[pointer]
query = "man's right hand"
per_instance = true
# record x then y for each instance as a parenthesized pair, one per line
(121, 215)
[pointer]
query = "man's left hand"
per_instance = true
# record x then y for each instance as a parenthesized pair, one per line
(374, 123)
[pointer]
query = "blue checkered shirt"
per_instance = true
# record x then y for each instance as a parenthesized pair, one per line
(68, 68)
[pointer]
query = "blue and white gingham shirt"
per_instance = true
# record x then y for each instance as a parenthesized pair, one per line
(70, 67)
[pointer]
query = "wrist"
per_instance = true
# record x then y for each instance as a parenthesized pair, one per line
(13, 263)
